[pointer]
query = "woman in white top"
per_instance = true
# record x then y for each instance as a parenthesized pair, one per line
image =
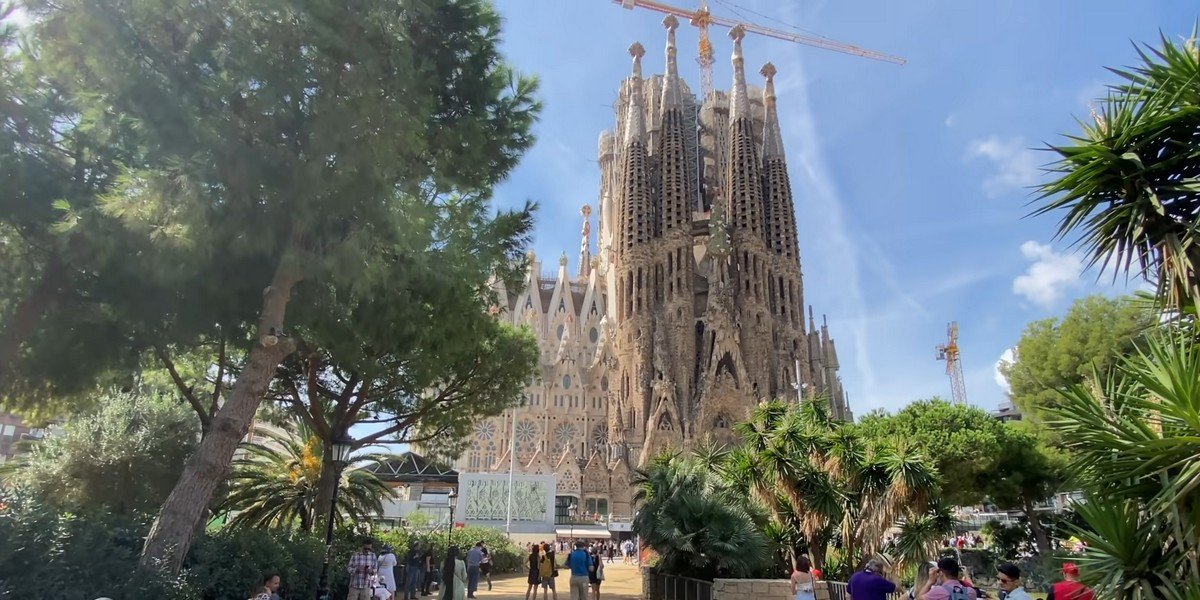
(802, 580)
(387, 569)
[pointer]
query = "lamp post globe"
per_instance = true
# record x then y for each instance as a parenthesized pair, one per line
(451, 500)
(340, 451)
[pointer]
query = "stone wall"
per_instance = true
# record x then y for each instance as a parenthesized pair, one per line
(761, 589)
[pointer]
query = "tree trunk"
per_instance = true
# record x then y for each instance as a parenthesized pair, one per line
(28, 313)
(325, 487)
(177, 522)
(817, 552)
(1035, 525)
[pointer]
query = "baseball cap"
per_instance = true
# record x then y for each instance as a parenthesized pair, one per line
(1070, 568)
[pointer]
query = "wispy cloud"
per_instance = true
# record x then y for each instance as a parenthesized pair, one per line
(1046, 281)
(1016, 166)
(821, 198)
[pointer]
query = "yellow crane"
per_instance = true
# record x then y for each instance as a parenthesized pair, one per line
(702, 19)
(950, 353)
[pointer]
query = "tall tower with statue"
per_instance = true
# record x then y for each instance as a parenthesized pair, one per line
(691, 309)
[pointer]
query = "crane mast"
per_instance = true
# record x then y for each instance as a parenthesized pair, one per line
(950, 353)
(703, 19)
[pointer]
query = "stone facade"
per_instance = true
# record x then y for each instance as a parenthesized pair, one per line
(690, 312)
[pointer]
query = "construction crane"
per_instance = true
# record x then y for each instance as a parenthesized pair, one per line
(949, 352)
(703, 19)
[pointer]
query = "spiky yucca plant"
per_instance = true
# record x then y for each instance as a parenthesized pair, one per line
(1135, 434)
(1129, 183)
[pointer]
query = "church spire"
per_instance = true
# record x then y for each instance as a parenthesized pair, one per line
(739, 101)
(635, 126)
(672, 96)
(585, 243)
(772, 140)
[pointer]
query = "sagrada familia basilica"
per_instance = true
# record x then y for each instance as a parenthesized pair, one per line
(690, 312)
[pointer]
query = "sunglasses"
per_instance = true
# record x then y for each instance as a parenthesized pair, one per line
(1003, 579)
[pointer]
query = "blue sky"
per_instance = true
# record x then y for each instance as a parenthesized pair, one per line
(911, 182)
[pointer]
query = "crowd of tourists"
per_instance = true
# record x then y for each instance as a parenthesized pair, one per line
(946, 580)
(585, 562)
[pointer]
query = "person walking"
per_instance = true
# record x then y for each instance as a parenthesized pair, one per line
(1070, 588)
(945, 583)
(802, 580)
(474, 557)
(485, 567)
(535, 574)
(387, 568)
(580, 564)
(414, 571)
(454, 576)
(548, 571)
(596, 571)
(361, 567)
(428, 580)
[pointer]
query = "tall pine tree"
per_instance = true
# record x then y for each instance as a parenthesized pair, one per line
(293, 157)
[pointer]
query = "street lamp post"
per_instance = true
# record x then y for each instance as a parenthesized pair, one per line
(450, 527)
(342, 447)
(571, 519)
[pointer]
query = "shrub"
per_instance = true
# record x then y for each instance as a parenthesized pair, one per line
(507, 557)
(229, 563)
(52, 555)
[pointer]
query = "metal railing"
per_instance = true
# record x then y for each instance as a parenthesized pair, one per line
(674, 587)
(837, 590)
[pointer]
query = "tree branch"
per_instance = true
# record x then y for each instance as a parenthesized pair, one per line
(185, 389)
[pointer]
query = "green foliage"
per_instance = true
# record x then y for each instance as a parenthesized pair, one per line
(1009, 542)
(507, 557)
(122, 456)
(963, 441)
(1127, 183)
(1135, 437)
(694, 531)
(46, 553)
(1054, 354)
(275, 482)
(229, 563)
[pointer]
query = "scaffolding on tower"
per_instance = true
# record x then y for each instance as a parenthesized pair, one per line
(950, 353)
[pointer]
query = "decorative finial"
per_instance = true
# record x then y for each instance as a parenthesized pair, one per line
(772, 138)
(585, 243)
(671, 95)
(634, 126)
(562, 260)
(739, 103)
(637, 52)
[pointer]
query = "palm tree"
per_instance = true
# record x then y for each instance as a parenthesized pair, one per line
(1135, 435)
(817, 478)
(1130, 182)
(692, 528)
(275, 482)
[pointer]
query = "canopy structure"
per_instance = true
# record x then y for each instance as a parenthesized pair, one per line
(583, 531)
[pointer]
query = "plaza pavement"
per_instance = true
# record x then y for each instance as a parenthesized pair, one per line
(621, 582)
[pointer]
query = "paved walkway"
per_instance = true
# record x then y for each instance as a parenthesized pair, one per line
(621, 582)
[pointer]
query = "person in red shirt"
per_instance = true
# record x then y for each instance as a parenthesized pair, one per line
(1070, 588)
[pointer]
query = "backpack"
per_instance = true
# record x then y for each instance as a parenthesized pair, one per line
(546, 567)
(957, 591)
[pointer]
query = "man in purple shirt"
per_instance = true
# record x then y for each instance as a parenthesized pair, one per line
(870, 583)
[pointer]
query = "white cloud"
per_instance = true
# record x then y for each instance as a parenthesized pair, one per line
(1047, 280)
(1016, 165)
(1007, 358)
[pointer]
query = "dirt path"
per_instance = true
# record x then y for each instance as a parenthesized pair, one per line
(621, 582)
